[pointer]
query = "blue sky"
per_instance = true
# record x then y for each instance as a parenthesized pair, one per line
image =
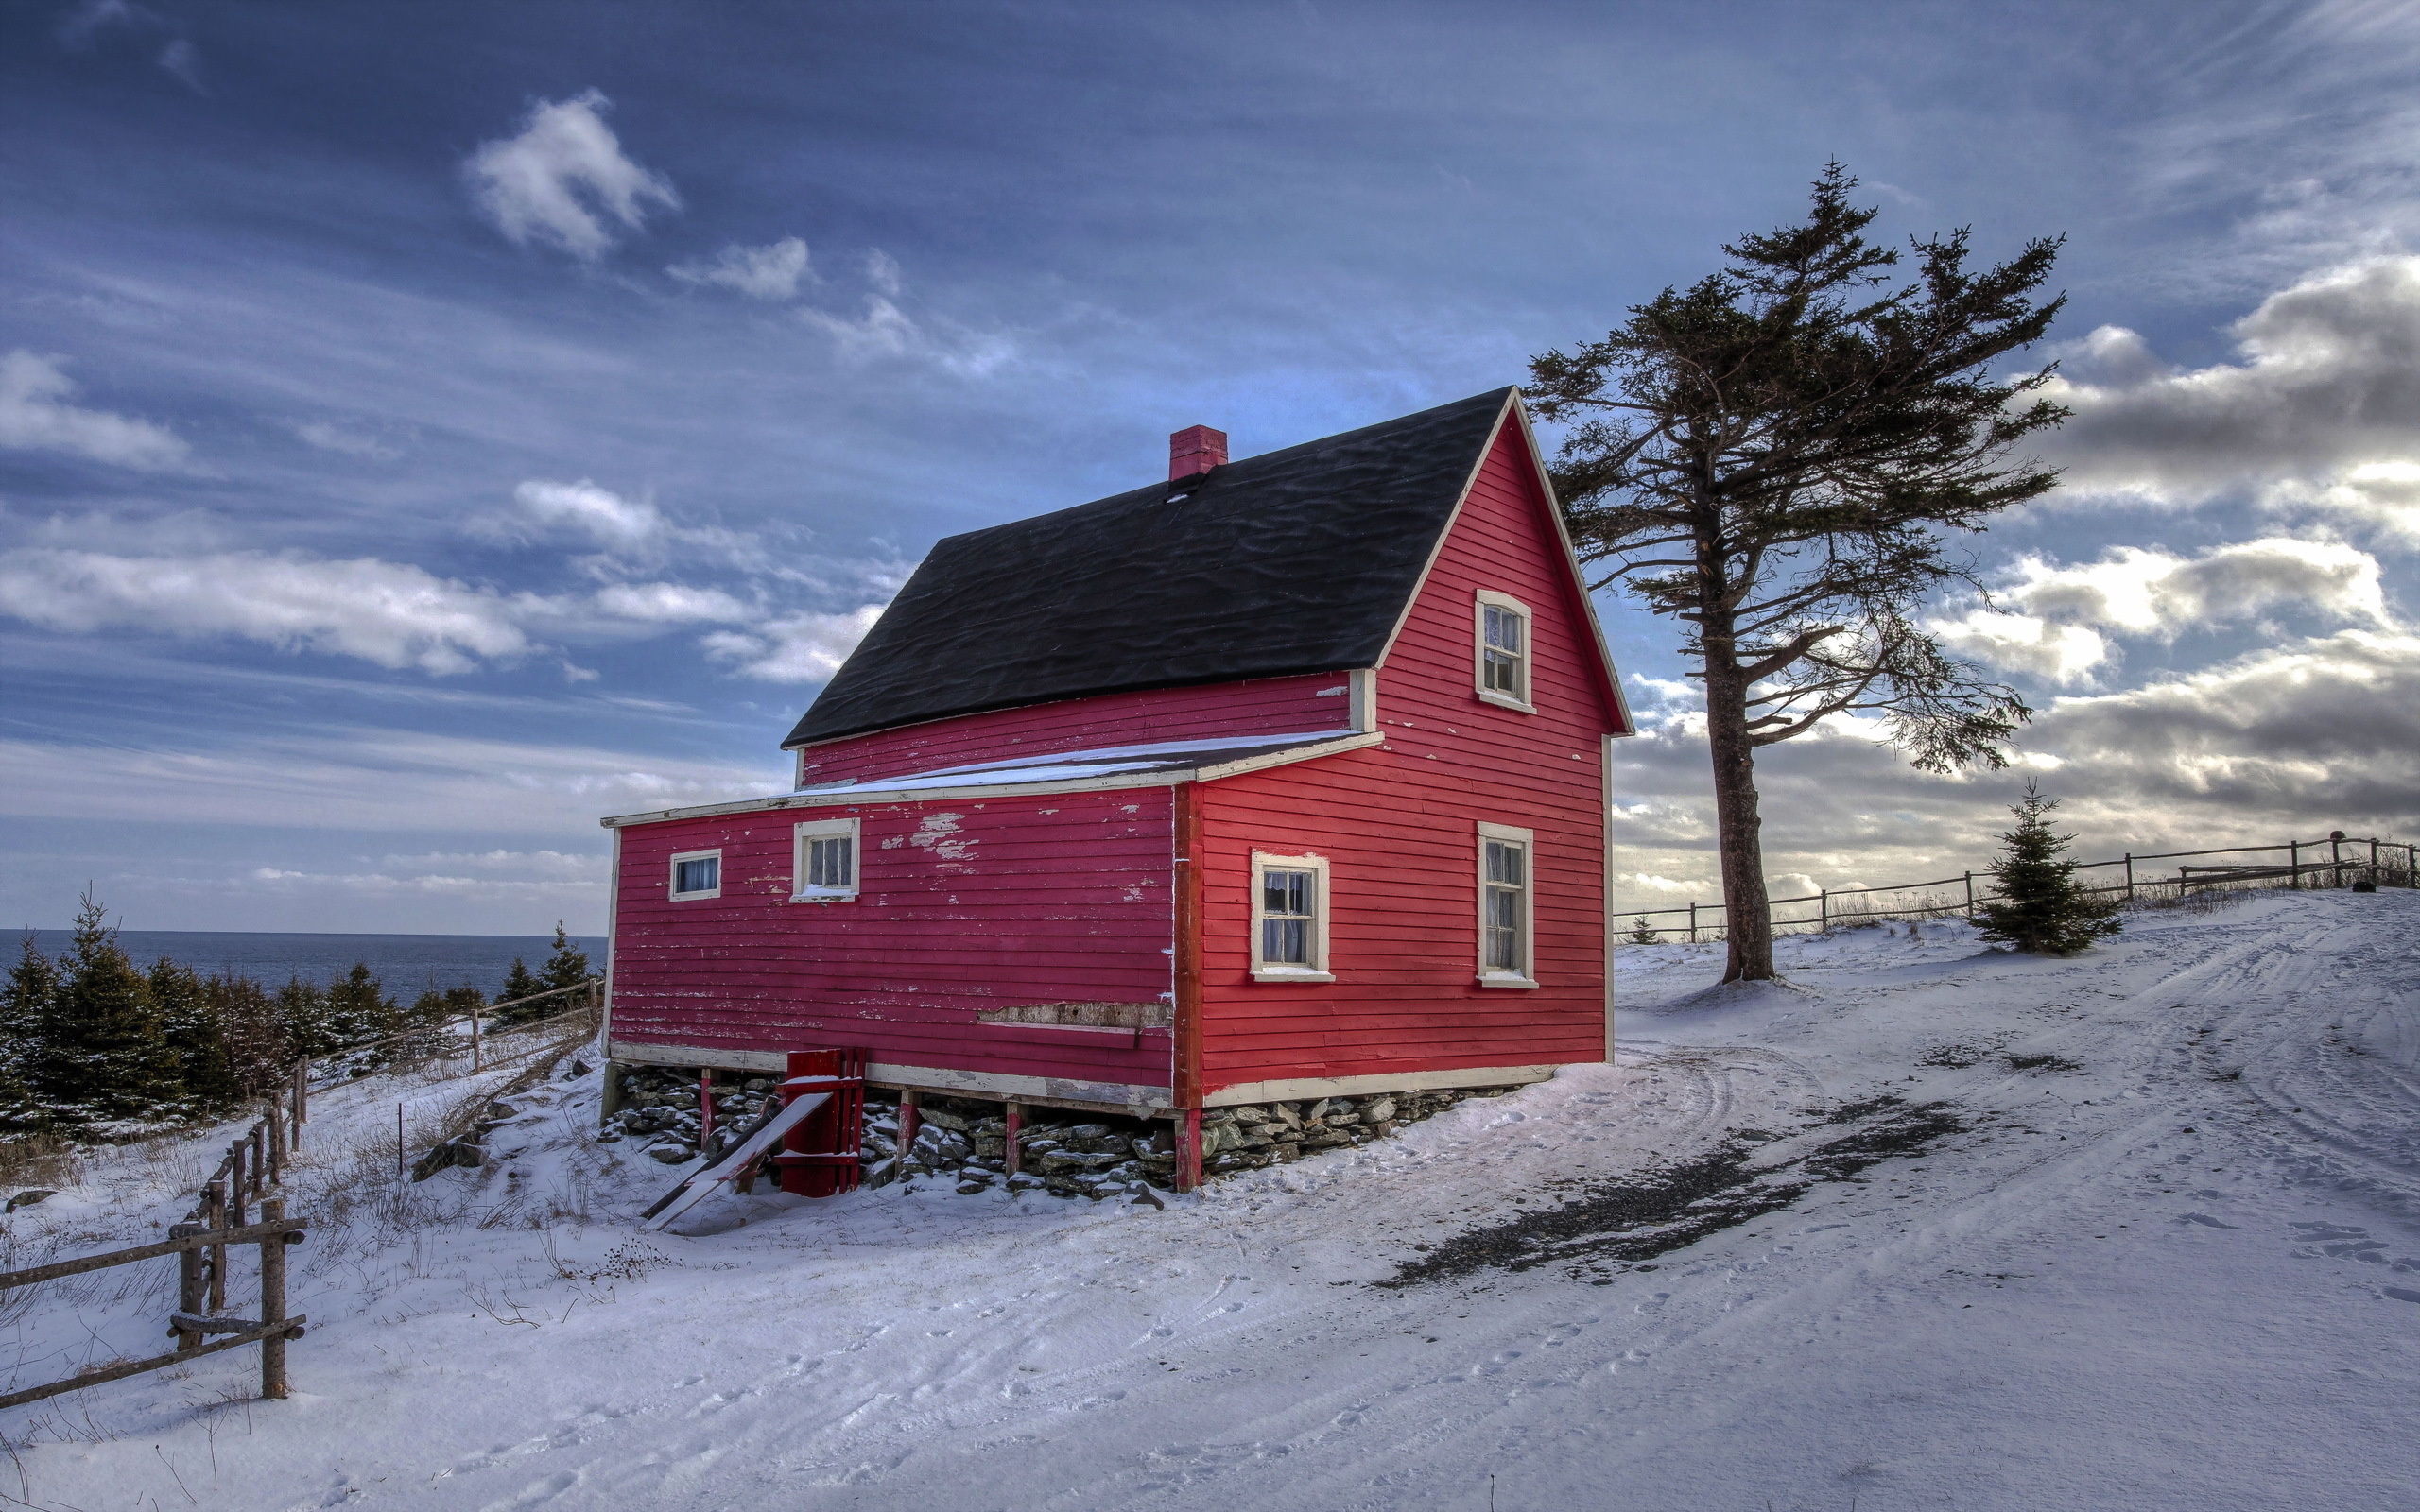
(426, 428)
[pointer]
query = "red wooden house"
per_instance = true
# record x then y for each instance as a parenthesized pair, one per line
(1282, 779)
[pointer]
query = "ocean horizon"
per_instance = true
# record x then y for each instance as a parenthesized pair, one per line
(403, 964)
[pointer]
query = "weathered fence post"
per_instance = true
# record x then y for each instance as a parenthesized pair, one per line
(1014, 1115)
(2295, 859)
(235, 1185)
(1823, 908)
(2130, 876)
(273, 1302)
(275, 1124)
(302, 1099)
(214, 1216)
(191, 1291)
(1693, 924)
(1970, 897)
(2336, 858)
(475, 1041)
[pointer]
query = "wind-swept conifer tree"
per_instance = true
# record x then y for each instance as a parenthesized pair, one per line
(1775, 456)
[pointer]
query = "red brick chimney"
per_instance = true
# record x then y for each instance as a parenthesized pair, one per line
(1197, 450)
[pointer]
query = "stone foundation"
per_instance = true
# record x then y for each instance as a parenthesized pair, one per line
(963, 1141)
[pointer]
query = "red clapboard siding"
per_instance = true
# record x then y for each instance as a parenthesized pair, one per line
(1263, 705)
(1398, 825)
(962, 907)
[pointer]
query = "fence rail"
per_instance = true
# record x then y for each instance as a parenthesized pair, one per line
(2388, 862)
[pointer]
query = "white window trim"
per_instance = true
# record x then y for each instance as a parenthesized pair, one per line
(672, 876)
(1317, 970)
(1528, 839)
(1486, 597)
(826, 830)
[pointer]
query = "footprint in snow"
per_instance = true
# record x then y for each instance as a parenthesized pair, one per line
(2205, 1220)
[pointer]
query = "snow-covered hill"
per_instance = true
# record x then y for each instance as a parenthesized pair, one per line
(1975, 1230)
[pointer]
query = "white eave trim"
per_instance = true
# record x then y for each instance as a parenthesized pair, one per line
(874, 793)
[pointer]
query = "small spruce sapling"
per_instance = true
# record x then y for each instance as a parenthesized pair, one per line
(1641, 935)
(2041, 907)
(567, 967)
(521, 982)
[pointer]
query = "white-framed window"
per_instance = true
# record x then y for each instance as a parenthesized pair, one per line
(1290, 904)
(1501, 625)
(1507, 907)
(697, 874)
(823, 866)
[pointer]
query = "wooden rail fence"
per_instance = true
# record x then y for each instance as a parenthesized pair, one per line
(252, 1166)
(2379, 863)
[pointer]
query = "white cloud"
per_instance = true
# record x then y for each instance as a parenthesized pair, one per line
(2152, 592)
(800, 649)
(553, 181)
(882, 271)
(770, 273)
(384, 612)
(2025, 643)
(601, 514)
(329, 437)
(2324, 405)
(36, 416)
(670, 604)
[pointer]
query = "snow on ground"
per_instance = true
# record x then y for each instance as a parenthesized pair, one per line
(2180, 1208)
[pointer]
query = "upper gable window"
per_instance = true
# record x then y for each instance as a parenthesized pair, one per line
(1502, 672)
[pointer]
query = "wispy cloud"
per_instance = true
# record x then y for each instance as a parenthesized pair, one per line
(564, 178)
(884, 328)
(384, 612)
(799, 648)
(771, 272)
(328, 438)
(36, 414)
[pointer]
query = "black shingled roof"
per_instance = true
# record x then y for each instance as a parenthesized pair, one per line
(1295, 561)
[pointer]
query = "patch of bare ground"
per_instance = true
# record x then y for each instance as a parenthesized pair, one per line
(1627, 1224)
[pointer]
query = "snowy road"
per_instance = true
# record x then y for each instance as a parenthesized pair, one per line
(2170, 1262)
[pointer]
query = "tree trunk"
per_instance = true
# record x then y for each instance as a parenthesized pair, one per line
(1737, 825)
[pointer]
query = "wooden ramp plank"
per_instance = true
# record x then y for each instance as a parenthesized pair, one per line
(700, 1184)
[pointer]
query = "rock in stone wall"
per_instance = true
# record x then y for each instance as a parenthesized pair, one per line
(1259, 1134)
(660, 1109)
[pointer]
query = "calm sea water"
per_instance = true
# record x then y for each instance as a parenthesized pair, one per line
(405, 963)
